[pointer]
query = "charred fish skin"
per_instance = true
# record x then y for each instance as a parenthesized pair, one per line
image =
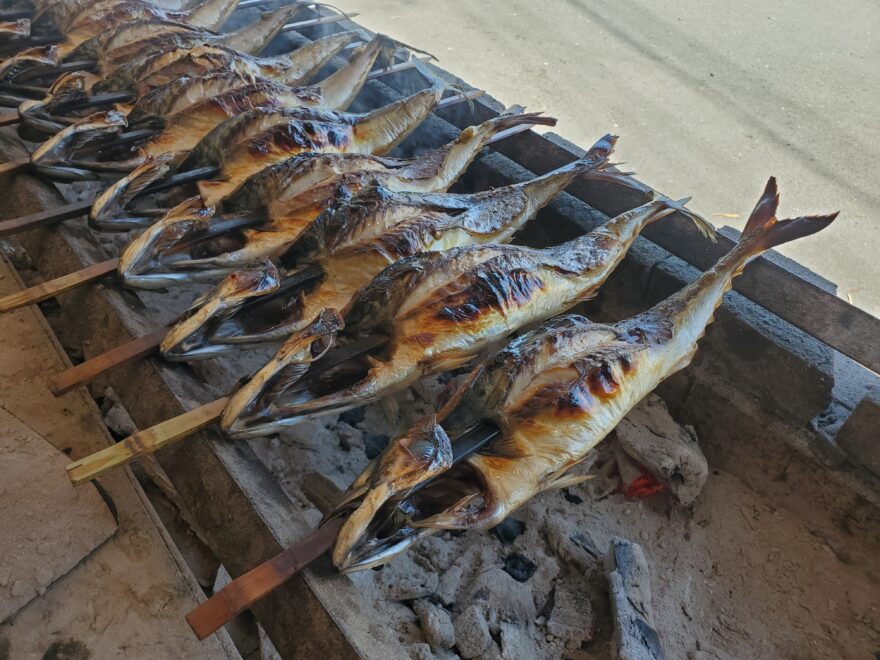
(555, 393)
(441, 310)
(377, 227)
(354, 240)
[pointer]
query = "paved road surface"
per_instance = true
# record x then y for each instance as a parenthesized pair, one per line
(709, 98)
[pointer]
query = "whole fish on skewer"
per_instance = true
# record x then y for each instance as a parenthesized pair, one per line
(52, 21)
(438, 311)
(153, 75)
(350, 244)
(285, 198)
(183, 130)
(258, 140)
(553, 394)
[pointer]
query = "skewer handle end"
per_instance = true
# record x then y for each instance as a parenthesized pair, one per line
(145, 442)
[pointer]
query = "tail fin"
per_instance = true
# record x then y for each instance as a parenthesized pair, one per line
(764, 231)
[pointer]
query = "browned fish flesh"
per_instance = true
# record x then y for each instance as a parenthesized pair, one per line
(353, 241)
(439, 310)
(287, 196)
(554, 394)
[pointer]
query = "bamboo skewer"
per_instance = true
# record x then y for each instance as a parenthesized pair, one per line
(177, 428)
(87, 371)
(52, 288)
(247, 589)
(145, 442)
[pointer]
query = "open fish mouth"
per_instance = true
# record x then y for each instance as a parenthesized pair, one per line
(373, 534)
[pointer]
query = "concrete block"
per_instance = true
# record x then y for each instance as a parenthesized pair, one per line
(860, 434)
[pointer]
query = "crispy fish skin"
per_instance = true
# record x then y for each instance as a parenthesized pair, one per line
(442, 309)
(288, 196)
(353, 241)
(297, 131)
(376, 132)
(554, 393)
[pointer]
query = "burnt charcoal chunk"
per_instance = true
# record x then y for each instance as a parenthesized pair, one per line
(375, 443)
(571, 497)
(509, 529)
(354, 416)
(519, 568)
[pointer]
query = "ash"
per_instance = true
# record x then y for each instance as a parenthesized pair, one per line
(724, 581)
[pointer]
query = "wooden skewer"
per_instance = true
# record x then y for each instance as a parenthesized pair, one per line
(43, 218)
(145, 442)
(247, 589)
(87, 371)
(61, 284)
(13, 166)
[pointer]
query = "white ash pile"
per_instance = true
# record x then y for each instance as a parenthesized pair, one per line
(536, 586)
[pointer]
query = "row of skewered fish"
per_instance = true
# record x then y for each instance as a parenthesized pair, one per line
(361, 266)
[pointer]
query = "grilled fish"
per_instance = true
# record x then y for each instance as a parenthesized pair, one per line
(439, 310)
(554, 394)
(61, 14)
(194, 75)
(286, 197)
(118, 36)
(258, 139)
(352, 242)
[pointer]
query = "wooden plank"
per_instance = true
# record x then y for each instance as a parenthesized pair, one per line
(44, 218)
(145, 442)
(87, 371)
(59, 285)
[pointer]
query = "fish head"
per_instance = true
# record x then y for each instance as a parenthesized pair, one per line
(200, 334)
(250, 411)
(384, 502)
(144, 263)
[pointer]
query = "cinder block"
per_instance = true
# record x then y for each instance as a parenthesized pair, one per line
(860, 433)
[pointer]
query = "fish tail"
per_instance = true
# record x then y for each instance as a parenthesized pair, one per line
(383, 129)
(764, 231)
(341, 87)
(516, 116)
(672, 206)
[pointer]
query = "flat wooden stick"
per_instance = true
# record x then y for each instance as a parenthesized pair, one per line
(247, 589)
(44, 218)
(145, 442)
(9, 118)
(61, 284)
(87, 371)
(13, 166)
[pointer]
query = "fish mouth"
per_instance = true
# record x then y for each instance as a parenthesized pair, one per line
(374, 533)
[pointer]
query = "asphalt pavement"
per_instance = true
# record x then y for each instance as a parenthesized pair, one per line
(709, 99)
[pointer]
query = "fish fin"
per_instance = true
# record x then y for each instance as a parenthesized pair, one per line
(584, 297)
(764, 231)
(703, 225)
(566, 481)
